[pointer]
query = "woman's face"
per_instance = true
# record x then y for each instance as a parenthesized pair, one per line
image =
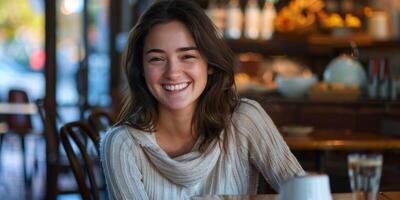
(174, 69)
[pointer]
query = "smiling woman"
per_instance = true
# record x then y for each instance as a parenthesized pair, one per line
(183, 131)
(174, 69)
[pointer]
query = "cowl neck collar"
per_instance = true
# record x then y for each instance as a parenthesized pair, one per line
(186, 170)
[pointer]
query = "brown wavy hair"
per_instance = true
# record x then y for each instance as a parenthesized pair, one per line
(219, 99)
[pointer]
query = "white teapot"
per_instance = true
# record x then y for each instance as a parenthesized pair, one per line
(345, 70)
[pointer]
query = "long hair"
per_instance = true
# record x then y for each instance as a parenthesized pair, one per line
(216, 104)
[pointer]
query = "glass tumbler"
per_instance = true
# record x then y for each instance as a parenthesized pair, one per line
(365, 173)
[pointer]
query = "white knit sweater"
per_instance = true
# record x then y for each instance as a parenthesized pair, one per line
(135, 167)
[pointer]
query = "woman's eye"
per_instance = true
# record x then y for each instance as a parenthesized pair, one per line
(155, 59)
(188, 57)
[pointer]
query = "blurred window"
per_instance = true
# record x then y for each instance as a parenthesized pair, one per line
(22, 53)
(71, 52)
(98, 59)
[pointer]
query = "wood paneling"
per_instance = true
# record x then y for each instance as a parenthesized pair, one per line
(361, 115)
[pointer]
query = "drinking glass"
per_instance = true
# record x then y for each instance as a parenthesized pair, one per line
(365, 173)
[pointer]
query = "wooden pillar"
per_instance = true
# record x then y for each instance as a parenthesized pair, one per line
(115, 68)
(83, 75)
(52, 142)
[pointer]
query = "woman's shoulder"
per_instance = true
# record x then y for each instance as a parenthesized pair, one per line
(248, 107)
(126, 135)
(250, 113)
(116, 132)
(119, 135)
(115, 136)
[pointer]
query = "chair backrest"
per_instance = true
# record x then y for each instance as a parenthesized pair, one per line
(42, 111)
(100, 120)
(52, 136)
(76, 132)
(19, 123)
(43, 116)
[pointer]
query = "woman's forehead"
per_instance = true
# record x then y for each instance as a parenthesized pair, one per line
(169, 36)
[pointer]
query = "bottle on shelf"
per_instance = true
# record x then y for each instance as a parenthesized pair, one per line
(267, 20)
(234, 20)
(378, 25)
(252, 20)
(384, 78)
(217, 15)
(394, 83)
(373, 79)
(395, 19)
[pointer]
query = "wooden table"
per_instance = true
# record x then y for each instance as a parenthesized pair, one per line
(18, 108)
(341, 140)
(336, 196)
(15, 109)
(322, 141)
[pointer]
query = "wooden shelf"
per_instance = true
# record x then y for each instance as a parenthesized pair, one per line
(312, 44)
(278, 45)
(276, 98)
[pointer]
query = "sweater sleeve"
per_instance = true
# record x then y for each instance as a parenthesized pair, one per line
(123, 178)
(265, 146)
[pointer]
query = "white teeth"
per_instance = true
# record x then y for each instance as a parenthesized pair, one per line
(175, 87)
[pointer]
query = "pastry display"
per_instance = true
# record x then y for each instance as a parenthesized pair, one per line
(323, 91)
(297, 15)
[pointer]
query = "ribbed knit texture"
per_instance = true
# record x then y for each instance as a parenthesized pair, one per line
(135, 167)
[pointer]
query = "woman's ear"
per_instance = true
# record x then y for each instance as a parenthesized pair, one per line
(210, 70)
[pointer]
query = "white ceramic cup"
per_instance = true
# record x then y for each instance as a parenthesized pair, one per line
(308, 186)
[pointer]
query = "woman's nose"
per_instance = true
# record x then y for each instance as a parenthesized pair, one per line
(173, 69)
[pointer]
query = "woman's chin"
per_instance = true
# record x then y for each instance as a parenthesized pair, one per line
(177, 106)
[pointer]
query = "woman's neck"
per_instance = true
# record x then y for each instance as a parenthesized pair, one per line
(175, 126)
(175, 122)
(174, 133)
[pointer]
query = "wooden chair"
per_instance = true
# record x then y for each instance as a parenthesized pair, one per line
(82, 163)
(60, 159)
(21, 124)
(53, 163)
(100, 120)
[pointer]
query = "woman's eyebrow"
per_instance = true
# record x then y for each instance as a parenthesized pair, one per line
(178, 50)
(187, 49)
(154, 51)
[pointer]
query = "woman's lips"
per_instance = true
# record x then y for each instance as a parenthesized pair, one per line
(175, 87)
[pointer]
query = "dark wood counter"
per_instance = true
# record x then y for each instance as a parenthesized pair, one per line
(362, 115)
(342, 140)
(336, 196)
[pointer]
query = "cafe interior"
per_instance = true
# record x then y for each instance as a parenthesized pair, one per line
(327, 72)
